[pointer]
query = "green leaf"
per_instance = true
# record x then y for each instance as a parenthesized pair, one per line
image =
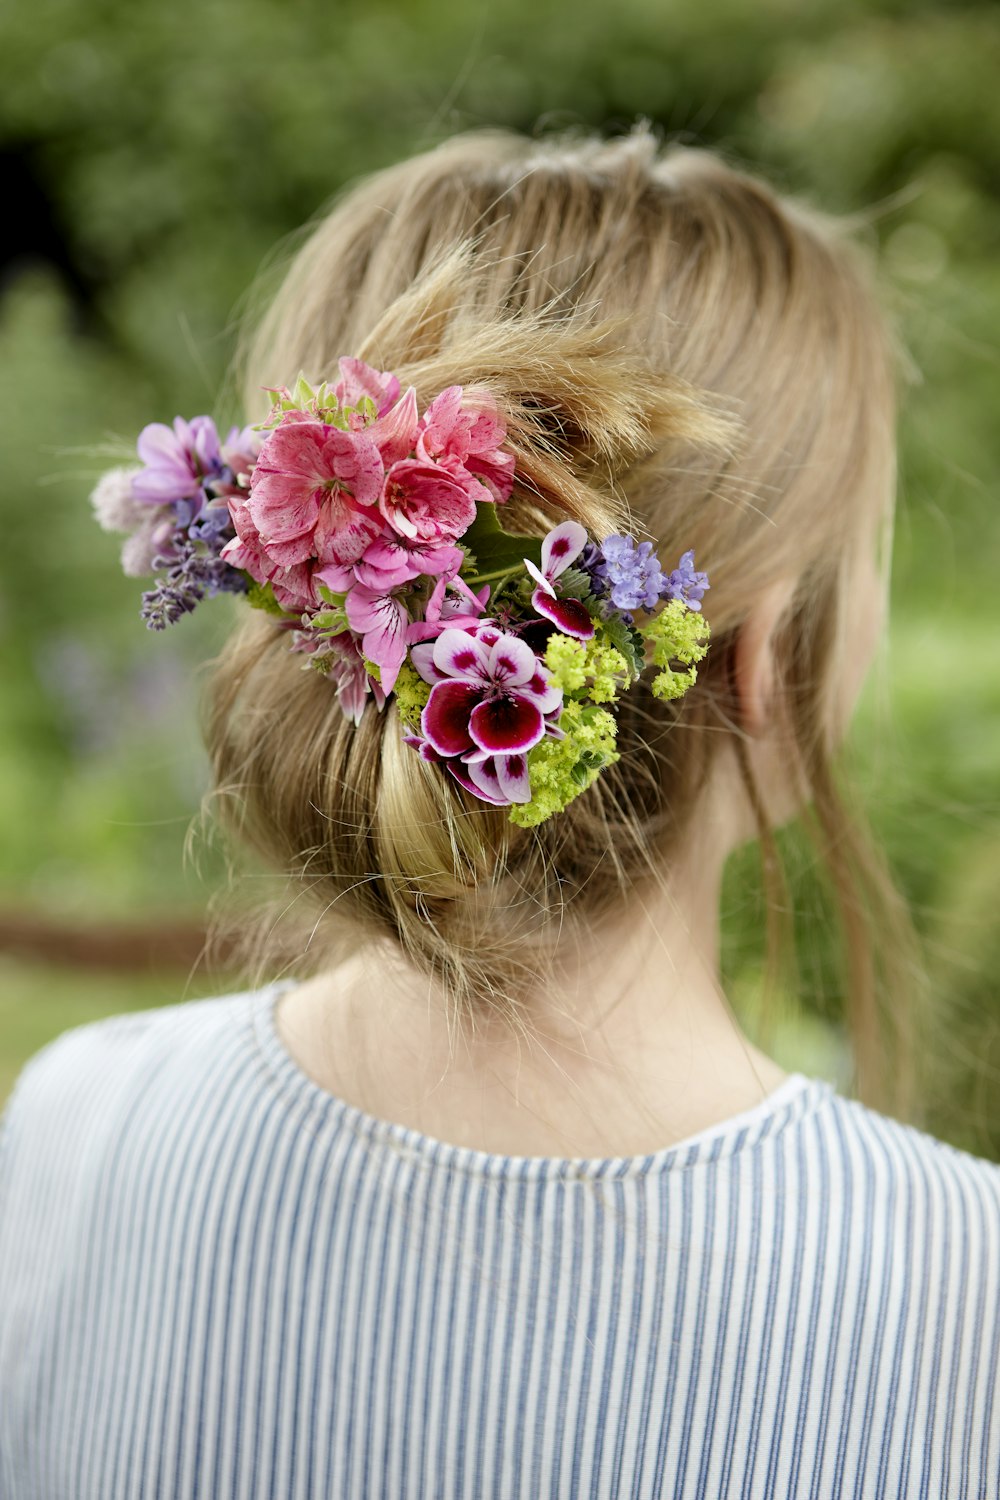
(498, 551)
(626, 640)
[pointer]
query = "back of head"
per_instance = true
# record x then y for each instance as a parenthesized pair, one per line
(678, 351)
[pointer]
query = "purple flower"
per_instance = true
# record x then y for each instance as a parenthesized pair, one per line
(189, 578)
(687, 584)
(489, 703)
(631, 572)
(177, 461)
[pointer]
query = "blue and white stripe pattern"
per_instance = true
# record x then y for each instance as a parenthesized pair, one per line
(217, 1281)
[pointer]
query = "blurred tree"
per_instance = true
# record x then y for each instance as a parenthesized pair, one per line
(157, 156)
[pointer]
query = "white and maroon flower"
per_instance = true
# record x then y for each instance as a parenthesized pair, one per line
(464, 425)
(560, 548)
(489, 703)
(313, 492)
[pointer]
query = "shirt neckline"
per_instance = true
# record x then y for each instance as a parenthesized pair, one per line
(799, 1095)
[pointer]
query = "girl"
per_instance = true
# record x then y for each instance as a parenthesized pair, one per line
(489, 1194)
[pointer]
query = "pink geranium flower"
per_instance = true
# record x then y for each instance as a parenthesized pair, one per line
(561, 547)
(292, 586)
(313, 492)
(464, 426)
(460, 609)
(345, 668)
(358, 379)
(430, 502)
(392, 560)
(381, 620)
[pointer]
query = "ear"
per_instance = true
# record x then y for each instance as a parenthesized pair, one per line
(753, 657)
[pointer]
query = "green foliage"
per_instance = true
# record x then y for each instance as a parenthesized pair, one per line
(175, 147)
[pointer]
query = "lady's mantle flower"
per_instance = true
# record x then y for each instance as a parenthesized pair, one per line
(684, 583)
(560, 548)
(562, 767)
(489, 704)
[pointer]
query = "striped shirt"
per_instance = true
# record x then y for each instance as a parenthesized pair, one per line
(218, 1280)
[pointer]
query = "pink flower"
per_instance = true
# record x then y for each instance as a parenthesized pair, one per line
(490, 693)
(346, 670)
(445, 611)
(381, 620)
(395, 432)
(176, 460)
(561, 547)
(293, 586)
(358, 379)
(313, 492)
(392, 560)
(429, 502)
(464, 426)
(152, 538)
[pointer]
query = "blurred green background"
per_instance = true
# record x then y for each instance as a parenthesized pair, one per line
(153, 159)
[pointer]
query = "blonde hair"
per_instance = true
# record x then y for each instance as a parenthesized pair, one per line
(679, 352)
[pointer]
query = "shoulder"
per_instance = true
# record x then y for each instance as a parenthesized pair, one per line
(915, 1184)
(94, 1071)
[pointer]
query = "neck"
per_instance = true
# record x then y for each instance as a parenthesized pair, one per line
(635, 1047)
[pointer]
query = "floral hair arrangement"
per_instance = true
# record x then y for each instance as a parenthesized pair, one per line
(370, 532)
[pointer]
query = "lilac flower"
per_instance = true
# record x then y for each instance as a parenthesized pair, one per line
(687, 584)
(489, 703)
(631, 572)
(177, 461)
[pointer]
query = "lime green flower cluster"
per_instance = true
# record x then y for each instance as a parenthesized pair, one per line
(592, 669)
(261, 596)
(411, 692)
(679, 638)
(561, 769)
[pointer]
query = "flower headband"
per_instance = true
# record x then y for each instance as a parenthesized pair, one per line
(371, 533)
